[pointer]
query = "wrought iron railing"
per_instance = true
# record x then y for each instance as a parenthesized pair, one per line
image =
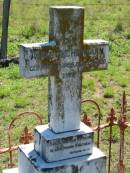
(25, 138)
(112, 120)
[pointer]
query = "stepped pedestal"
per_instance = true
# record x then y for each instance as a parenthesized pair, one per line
(69, 152)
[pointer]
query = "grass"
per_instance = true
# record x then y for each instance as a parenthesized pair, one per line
(118, 27)
(89, 85)
(109, 93)
(29, 23)
(128, 34)
(5, 91)
(21, 102)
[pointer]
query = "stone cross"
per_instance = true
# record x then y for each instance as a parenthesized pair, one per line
(63, 59)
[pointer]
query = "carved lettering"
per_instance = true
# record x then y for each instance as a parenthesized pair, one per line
(72, 143)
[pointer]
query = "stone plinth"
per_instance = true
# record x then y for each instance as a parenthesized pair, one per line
(31, 162)
(53, 147)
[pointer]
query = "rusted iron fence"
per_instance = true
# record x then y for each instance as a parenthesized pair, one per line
(25, 138)
(111, 121)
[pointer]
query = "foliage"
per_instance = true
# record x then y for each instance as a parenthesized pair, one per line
(109, 93)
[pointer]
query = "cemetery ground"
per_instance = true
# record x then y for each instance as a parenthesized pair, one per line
(108, 20)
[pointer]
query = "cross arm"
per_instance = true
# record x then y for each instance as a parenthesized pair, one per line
(37, 59)
(95, 55)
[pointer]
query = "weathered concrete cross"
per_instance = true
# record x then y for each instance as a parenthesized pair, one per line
(63, 59)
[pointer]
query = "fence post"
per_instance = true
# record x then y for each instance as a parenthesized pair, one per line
(123, 124)
(4, 37)
(110, 119)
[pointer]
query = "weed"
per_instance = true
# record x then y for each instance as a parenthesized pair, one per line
(14, 72)
(118, 27)
(20, 102)
(29, 31)
(4, 91)
(123, 82)
(127, 66)
(108, 93)
(89, 85)
(111, 37)
(128, 34)
(104, 84)
(115, 134)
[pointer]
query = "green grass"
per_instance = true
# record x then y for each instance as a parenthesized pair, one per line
(29, 23)
(109, 93)
(118, 27)
(89, 85)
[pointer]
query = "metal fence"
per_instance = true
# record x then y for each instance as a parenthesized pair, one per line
(25, 137)
(111, 121)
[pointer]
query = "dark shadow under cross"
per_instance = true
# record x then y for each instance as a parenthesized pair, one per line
(63, 59)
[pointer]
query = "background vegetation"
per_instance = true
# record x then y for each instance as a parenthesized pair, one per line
(105, 19)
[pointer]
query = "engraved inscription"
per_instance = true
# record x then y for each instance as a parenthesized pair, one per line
(72, 144)
(89, 57)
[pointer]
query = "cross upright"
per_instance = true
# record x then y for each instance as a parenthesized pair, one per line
(63, 59)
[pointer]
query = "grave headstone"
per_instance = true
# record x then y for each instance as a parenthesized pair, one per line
(66, 145)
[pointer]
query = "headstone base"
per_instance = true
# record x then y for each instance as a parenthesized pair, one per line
(54, 147)
(31, 162)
